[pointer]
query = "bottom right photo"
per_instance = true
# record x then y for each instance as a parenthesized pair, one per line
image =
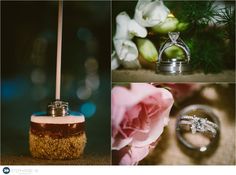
(173, 124)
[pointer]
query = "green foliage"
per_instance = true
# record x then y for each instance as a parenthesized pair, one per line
(194, 12)
(227, 18)
(211, 35)
(206, 52)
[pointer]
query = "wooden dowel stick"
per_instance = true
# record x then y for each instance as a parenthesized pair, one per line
(59, 47)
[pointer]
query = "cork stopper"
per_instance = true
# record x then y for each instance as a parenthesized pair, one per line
(58, 108)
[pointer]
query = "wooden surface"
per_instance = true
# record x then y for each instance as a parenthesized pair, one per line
(145, 75)
(28, 160)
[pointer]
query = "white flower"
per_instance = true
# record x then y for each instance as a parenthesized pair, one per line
(169, 25)
(135, 29)
(135, 64)
(122, 23)
(127, 53)
(149, 13)
(115, 63)
(127, 28)
(126, 50)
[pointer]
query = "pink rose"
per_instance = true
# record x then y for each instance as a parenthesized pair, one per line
(181, 91)
(131, 155)
(139, 115)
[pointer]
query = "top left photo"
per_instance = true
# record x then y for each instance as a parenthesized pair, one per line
(55, 83)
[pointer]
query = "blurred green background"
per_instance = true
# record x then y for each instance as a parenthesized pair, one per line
(28, 48)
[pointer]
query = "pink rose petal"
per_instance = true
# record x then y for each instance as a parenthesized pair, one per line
(134, 155)
(139, 115)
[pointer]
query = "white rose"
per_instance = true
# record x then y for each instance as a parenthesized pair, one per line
(149, 13)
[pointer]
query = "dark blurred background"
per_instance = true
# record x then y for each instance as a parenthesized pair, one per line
(28, 58)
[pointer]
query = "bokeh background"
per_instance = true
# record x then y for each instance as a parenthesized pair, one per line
(28, 58)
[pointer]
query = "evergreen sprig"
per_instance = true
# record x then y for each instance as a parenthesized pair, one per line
(206, 52)
(195, 13)
(209, 30)
(227, 20)
(226, 17)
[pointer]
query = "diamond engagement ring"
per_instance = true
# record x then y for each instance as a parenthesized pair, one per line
(197, 119)
(198, 124)
(173, 65)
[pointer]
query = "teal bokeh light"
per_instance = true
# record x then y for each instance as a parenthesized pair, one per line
(88, 109)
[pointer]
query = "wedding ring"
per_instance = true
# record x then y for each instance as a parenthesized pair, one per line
(198, 119)
(173, 65)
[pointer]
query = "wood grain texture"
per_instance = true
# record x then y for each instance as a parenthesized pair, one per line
(92, 159)
(146, 75)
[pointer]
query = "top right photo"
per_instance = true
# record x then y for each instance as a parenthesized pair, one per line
(173, 41)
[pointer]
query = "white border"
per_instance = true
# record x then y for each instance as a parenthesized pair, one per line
(120, 170)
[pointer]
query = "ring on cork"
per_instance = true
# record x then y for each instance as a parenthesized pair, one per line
(57, 134)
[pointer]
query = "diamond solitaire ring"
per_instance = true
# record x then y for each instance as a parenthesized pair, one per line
(196, 124)
(175, 65)
(197, 119)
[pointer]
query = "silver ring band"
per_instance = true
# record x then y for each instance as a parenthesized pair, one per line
(198, 124)
(173, 65)
(178, 43)
(204, 122)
